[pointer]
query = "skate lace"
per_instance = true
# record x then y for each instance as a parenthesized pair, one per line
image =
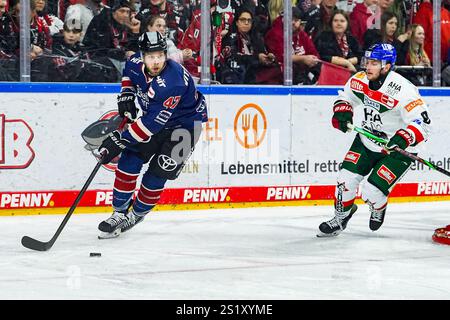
(129, 220)
(377, 215)
(341, 215)
(116, 218)
(333, 223)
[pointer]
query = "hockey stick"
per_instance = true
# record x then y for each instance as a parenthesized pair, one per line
(37, 245)
(399, 150)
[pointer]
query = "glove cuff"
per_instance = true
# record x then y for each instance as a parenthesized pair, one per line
(342, 106)
(116, 137)
(407, 136)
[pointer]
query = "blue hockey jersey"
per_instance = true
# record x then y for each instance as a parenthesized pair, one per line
(169, 100)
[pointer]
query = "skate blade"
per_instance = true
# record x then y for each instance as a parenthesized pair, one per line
(320, 234)
(109, 235)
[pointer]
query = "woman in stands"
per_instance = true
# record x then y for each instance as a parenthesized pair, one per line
(337, 45)
(388, 34)
(416, 55)
(242, 51)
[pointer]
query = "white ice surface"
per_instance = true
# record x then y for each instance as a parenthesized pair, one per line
(256, 253)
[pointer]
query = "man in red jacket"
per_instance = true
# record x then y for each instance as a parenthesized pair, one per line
(363, 18)
(305, 56)
(424, 17)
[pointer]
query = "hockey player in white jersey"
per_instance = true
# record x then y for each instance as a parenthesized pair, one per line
(390, 107)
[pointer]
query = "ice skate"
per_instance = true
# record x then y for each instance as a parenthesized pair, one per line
(132, 219)
(335, 226)
(116, 224)
(111, 227)
(376, 218)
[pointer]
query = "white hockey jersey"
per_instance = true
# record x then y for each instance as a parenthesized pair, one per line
(396, 105)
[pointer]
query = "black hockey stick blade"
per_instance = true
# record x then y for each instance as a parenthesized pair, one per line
(36, 245)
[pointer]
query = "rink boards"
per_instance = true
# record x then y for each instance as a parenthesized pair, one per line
(261, 146)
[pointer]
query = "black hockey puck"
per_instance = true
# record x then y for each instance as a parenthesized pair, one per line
(95, 254)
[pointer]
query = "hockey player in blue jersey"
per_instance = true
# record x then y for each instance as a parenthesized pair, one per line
(163, 132)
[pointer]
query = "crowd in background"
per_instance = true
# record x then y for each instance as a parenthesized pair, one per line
(89, 40)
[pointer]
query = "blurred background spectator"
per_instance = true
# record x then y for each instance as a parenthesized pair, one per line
(70, 62)
(40, 38)
(3, 6)
(260, 9)
(424, 17)
(363, 18)
(54, 23)
(338, 46)
(110, 29)
(416, 57)
(84, 11)
(388, 33)
(305, 57)
(220, 25)
(177, 21)
(242, 51)
(109, 36)
(158, 23)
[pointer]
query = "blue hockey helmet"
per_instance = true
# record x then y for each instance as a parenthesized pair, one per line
(383, 52)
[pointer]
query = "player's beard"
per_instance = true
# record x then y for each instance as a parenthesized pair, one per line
(155, 73)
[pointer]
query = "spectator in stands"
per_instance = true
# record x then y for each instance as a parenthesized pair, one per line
(275, 8)
(424, 17)
(70, 62)
(417, 55)
(261, 13)
(388, 34)
(3, 6)
(176, 21)
(54, 23)
(404, 10)
(158, 23)
(107, 34)
(305, 57)
(191, 38)
(338, 46)
(326, 10)
(311, 13)
(383, 6)
(242, 51)
(84, 11)
(363, 18)
(10, 29)
(67, 45)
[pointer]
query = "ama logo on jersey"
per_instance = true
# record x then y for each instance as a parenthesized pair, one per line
(96, 132)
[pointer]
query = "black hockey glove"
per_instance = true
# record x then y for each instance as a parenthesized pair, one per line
(112, 146)
(343, 115)
(127, 108)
